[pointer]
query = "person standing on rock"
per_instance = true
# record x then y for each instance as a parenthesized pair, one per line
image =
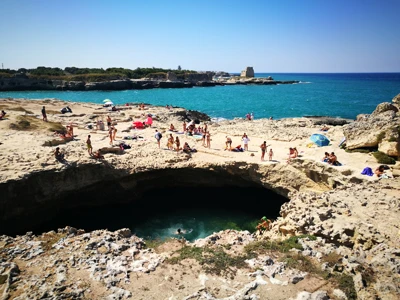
(178, 144)
(44, 115)
(184, 126)
(158, 137)
(109, 122)
(245, 140)
(170, 143)
(263, 147)
(89, 145)
(110, 134)
(271, 153)
(208, 140)
(114, 133)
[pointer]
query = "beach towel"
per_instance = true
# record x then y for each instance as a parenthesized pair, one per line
(367, 171)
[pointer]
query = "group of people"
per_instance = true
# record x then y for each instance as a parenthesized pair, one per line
(264, 148)
(173, 144)
(249, 116)
(89, 146)
(330, 159)
(191, 129)
(245, 140)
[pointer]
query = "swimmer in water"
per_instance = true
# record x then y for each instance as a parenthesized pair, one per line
(180, 231)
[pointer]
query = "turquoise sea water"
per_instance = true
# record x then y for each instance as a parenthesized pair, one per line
(339, 95)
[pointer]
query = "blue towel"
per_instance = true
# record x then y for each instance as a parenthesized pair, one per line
(367, 171)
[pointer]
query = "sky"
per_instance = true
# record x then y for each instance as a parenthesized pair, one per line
(287, 36)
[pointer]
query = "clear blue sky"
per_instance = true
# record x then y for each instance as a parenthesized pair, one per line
(216, 35)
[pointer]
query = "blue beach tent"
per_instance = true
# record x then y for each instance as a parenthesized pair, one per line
(320, 140)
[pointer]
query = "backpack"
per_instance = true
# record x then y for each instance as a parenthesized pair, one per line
(160, 135)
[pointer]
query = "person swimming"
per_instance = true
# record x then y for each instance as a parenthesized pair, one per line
(180, 231)
(183, 231)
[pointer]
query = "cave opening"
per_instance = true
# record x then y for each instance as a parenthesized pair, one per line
(155, 205)
(158, 213)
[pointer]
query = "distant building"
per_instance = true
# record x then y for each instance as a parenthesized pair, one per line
(249, 72)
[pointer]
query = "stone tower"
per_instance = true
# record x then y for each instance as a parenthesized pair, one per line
(249, 72)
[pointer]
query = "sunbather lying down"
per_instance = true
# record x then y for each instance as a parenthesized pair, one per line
(98, 155)
(187, 148)
(238, 149)
(112, 150)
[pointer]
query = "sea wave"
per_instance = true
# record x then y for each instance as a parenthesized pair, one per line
(218, 119)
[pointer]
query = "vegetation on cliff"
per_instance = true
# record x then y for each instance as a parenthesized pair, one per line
(91, 74)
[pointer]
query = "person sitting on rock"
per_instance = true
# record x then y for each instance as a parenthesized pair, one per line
(263, 225)
(58, 155)
(186, 148)
(379, 171)
(324, 128)
(98, 155)
(332, 159)
(2, 114)
(70, 131)
(228, 143)
(326, 157)
(293, 153)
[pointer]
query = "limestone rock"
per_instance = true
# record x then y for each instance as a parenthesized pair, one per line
(396, 99)
(390, 148)
(369, 130)
(171, 76)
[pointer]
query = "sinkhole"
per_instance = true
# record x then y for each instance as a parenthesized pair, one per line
(157, 204)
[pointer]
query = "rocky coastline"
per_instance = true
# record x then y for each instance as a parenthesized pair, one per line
(23, 83)
(346, 223)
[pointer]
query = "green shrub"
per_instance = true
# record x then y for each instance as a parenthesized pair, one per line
(6, 75)
(360, 150)
(281, 246)
(155, 243)
(346, 284)
(19, 108)
(218, 262)
(382, 158)
(380, 136)
(186, 252)
(301, 263)
(214, 261)
(332, 259)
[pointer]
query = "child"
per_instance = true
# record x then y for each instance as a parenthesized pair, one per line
(271, 153)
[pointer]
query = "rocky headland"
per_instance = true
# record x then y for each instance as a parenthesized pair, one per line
(23, 82)
(337, 236)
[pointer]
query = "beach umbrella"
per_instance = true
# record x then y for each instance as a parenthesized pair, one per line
(320, 140)
(107, 100)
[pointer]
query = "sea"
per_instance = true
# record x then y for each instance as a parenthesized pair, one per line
(342, 95)
(337, 95)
